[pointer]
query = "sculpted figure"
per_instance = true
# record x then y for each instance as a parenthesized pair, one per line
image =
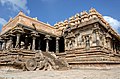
(9, 44)
(87, 42)
(79, 39)
(29, 46)
(70, 44)
(22, 45)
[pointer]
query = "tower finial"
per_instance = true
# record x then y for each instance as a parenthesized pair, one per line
(21, 13)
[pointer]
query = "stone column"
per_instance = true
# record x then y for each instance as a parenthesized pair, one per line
(47, 38)
(33, 43)
(47, 45)
(57, 45)
(17, 41)
(39, 44)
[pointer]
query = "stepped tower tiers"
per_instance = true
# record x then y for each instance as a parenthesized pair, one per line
(85, 38)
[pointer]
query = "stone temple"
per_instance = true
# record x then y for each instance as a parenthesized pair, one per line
(83, 39)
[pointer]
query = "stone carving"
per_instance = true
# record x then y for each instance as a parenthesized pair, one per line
(22, 45)
(29, 47)
(93, 13)
(77, 19)
(79, 39)
(84, 16)
(87, 42)
(9, 45)
(72, 21)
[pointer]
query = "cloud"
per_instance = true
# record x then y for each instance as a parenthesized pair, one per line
(16, 5)
(113, 22)
(2, 21)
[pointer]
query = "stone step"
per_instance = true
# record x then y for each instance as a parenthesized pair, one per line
(93, 59)
(87, 55)
(94, 62)
(86, 58)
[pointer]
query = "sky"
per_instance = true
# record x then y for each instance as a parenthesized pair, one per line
(52, 11)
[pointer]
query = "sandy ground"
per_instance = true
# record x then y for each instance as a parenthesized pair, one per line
(67, 74)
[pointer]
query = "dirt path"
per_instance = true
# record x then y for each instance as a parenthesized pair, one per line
(68, 74)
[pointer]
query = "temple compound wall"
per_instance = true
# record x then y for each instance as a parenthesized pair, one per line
(85, 38)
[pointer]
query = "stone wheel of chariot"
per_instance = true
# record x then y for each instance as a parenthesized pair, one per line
(31, 64)
(44, 65)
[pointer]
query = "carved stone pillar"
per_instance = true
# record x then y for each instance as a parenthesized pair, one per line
(47, 38)
(34, 36)
(18, 40)
(39, 44)
(33, 43)
(57, 45)
(47, 45)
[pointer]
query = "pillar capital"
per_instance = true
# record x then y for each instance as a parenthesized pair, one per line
(18, 34)
(17, 30)
(33, 37)
(57, 38)
(47, 37)
(34, 34)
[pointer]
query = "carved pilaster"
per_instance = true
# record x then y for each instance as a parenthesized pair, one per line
(104, 40)
(57, 45)
(96, 36)
(87, 42)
